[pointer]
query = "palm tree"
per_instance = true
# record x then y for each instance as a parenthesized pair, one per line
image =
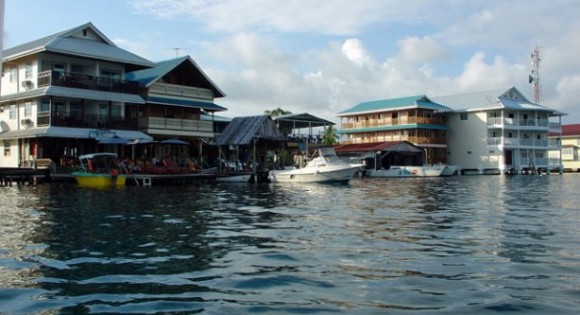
(330, 137)
(277, 112)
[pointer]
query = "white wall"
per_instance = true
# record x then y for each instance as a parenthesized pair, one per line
(467, 142)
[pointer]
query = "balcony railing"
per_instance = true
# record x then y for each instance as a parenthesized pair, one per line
(86, 121)
(518, 142)
(387, 122)
(541, 122)
(180, 90)
(83, 81)
(175, 124)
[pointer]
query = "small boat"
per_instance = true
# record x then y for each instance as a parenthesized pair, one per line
(325, 167)
(99, 170)
(450, 170)
(408, 171)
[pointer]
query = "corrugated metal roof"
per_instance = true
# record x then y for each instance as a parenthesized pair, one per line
(242, 130)
(393, 146)
(299, 121)
(65, 42)
(146, 77)
(510, 98)
(417, 101)
(184, 102)
(62, 91)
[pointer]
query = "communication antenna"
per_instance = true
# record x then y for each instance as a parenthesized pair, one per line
(177, 49)
(534, 78)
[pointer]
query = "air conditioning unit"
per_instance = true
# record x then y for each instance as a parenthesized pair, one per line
(27, 123)
(27, 84)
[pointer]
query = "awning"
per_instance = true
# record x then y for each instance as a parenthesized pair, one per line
(73, 133)
(183, 102)
(61, 91)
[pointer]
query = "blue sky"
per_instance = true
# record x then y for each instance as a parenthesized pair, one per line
(325, 56)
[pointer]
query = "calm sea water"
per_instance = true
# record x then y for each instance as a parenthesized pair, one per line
(469, 244)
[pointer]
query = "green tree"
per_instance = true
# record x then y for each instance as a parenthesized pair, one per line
(277, 112)
(330, 137)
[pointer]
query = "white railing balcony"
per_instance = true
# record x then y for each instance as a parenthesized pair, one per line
(527, 142)
(555, 127)
(541, 142)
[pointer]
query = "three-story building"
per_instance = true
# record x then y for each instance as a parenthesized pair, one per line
(416, 119)
(500, 131)
(76, 92)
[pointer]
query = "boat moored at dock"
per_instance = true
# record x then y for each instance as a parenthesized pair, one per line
(408, 171)
(99, 170)
(325, 167)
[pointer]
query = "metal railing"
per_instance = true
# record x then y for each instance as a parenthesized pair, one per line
(84, 81)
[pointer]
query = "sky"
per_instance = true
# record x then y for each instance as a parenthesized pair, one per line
(325, 56)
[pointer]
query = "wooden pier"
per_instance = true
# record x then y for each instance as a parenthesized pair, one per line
(22, 176)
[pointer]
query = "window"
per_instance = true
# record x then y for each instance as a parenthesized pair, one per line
(103, 111)
(12, 111)
(6, 148)
(567, 151)
(77, 69)
(75, 110)
(60, 109)
(28, 70)
(44, 105)
(28, 109)
(13, 74)
(59, 67)
(111, 74)
(463, 116)
(116, 111)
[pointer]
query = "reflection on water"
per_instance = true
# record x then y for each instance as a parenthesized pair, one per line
(444, 245)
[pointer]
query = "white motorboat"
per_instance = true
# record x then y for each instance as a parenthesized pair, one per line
(326, 167)
(408, 171)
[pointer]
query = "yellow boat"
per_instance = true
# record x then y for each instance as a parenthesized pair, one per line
(99, 170)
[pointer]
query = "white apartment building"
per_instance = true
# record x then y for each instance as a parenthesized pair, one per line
(500, 131)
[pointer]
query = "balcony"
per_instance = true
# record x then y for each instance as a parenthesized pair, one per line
(86, 121)
(83, 81)
(518, 142)
(165, 89)
(392, 122)
(175, 124)
(506, 122)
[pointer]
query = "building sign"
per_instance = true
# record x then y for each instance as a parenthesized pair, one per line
(100, 134)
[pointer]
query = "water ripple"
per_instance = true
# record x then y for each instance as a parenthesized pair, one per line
(481, 244)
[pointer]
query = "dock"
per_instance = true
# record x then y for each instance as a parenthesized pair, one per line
(151, 179)
(22, 176)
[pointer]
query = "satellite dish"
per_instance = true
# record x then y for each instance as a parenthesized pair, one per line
(4, 126)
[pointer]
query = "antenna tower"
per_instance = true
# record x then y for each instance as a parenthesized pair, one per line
(535, 76)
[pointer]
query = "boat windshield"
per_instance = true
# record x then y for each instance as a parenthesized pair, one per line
(99, 163)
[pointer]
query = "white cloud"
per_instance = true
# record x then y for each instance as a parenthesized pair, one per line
(354, 51)
(321, 16)
(439, 47)
(421, 50)
(479, 75)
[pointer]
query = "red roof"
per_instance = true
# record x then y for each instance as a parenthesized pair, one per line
(571, 130)
(363, 147)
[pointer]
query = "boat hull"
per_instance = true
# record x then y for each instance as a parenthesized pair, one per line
(408, 171)
(98, 180)
(313, 176)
